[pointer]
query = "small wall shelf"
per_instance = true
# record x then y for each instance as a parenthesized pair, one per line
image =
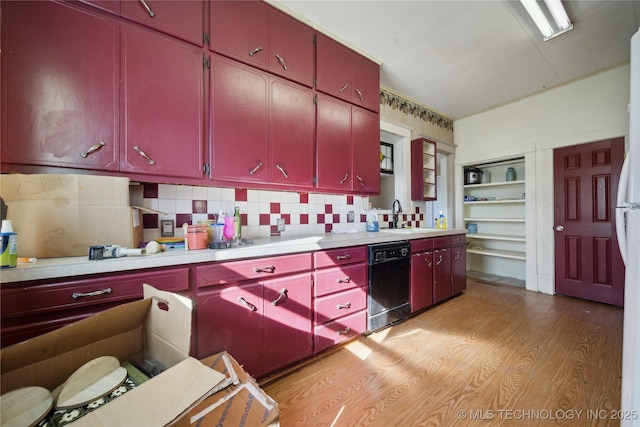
(498, 253)
(424, 173)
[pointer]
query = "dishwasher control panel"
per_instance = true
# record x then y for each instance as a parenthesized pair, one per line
(389, 252)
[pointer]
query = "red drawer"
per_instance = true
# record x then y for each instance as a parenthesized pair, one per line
(259, 268)
(421, 245)
(458, 240)
(340, 256)
(337, 305)
(338, 331)
(339, 278)
(441, 242)
(30, 300)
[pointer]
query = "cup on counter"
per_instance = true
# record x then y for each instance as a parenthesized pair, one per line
(217, 232)
(197, 236)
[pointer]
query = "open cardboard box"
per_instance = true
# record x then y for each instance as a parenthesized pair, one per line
(61, 215)
(160, 325)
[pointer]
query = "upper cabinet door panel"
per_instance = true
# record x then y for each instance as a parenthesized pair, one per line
(365, 79)
(162, 92)
(366, 155)
(179, 18)
(291, 146)
(333, 144)
(333, 70)
(59, 86)
(240, 29)
(290, 48)
(239, 114)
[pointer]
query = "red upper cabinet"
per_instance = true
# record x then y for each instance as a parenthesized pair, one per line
(59, 86)
(178, 18)
(112, 6)
(162, 100)
(262, 36)
(347, 75)
(347, 147)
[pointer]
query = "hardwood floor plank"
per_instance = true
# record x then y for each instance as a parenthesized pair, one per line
(494, 356)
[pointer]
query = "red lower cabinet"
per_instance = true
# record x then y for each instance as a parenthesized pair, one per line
(421, 290)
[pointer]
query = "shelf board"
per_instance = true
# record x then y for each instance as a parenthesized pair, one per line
(494, 202)
(495, 184)
(506, 237)
(522, 220)
(498, 253)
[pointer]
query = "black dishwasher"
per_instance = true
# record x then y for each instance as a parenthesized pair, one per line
(389, 269)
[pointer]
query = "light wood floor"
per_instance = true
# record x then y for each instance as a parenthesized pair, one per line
(494, 356)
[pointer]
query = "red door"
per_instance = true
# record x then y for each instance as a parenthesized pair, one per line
(442, 275)
(421, 294)
(365, 79)
(365, 127)
(587, 259)
(333, 144)
(333, 73)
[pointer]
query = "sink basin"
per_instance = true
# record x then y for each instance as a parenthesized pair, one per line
(406, 230)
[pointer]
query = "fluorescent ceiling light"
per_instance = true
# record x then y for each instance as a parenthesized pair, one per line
(549, 28)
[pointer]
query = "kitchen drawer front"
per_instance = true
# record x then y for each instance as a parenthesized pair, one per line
(30, 300)
(340, 256)
(441, 242)
(421, 245)
(337, 305)
(259, 268)
(340, 278)
(458, 240)
(338, 331)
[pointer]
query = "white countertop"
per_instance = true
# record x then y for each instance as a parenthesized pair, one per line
(75, 266)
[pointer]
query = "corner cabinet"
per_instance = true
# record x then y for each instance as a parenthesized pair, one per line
(495, 217)
(423, 170)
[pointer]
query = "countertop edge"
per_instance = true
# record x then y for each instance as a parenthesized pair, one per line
(52, 268)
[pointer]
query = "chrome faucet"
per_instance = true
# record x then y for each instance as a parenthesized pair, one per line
(395, 212)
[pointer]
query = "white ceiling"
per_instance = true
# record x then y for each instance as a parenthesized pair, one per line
(463, 57)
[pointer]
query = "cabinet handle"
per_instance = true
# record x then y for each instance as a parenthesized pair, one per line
(247, 304)
(281, 61)
(96, 147)
(281, 295)
(344, 179)
(341, 306)
(143, 154)
(359, 95)
(254, 170)
(341, 257)
(360, 179)
(429, 263)
(268, 269)
(345, 280)
(343, 88)
(281, 169)
(149, 11)
(439, 260)
(256, 50)
(344, 332)
(456, 256)
(77, 295)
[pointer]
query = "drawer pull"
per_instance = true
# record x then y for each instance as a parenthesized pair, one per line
(268, 269)
(360, 179)
(343, 88)
(439, 260)
(247, 304)
(341, 257)
(77, 295)
(281, 169)
(256, 50)
(360, 96)
(281, 61)
(429, 263)
(456, 256)
(96, 147)
(341, 306)
(281, 295)
(148, 9)
(143, 154)
(344, 332)
(254, 170)
(342, 181)
(345, 280)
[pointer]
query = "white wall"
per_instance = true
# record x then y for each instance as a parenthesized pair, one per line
(587, 110)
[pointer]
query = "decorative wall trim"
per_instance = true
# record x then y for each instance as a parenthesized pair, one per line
(397, 102)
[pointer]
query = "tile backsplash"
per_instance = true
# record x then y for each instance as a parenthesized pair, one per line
(304, 213)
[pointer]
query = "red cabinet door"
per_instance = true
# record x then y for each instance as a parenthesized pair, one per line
(442, 275)
(365, 127)
(421, 290)
(365, 81)
(179, 18)
(231, 318)
(239, 114)
(333, 167)
(333, 67)
(240, 30)
(60, 86)
(291, 48)
(458, 269)
(291, 133)
(162, 95)
(288, 325)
